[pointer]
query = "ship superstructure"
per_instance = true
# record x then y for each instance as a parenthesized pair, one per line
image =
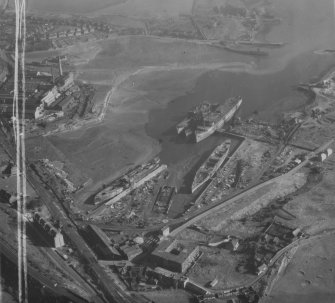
(211, 165)
(206, 118)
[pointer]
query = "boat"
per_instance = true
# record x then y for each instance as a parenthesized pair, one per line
(211, 165)
(206, 118)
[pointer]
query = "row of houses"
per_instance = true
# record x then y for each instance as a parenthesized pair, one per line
(71, 32)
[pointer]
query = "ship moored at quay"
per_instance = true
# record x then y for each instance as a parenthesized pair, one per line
(128, 182)
(206, 118)
(211, 165)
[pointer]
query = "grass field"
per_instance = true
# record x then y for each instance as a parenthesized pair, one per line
(309, 277)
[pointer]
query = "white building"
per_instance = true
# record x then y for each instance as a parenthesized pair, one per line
(58, 240)
(39, 112)
(50, 96)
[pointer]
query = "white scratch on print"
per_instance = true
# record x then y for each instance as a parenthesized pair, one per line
(19, 134)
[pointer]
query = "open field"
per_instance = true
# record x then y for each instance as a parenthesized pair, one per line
(309, 277)
(218, 263)
(314, 209)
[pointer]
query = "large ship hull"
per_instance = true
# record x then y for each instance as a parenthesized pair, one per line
(204, 173)
(107, 194)
(205, 133)
(132, 179)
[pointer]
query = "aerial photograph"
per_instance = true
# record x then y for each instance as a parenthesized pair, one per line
(160, 151)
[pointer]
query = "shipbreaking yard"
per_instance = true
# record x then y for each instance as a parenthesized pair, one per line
(234, 233)
(125, 204)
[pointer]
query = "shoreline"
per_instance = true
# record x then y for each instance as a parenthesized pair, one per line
(119, 100)
(121, 109)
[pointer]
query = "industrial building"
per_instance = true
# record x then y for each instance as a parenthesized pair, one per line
(131, 251)
(101, 244)
(55, 236)
(50, 96)
(175, 255)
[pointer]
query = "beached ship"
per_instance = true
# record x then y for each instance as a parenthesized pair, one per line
(131, 180)
(206, 118)
(211, 165)
(214, 120)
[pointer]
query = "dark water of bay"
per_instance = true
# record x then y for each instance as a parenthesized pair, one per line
(268, 94)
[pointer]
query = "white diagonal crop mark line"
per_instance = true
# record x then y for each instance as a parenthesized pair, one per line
(19, 131)
(23, 150)
(16, 129)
